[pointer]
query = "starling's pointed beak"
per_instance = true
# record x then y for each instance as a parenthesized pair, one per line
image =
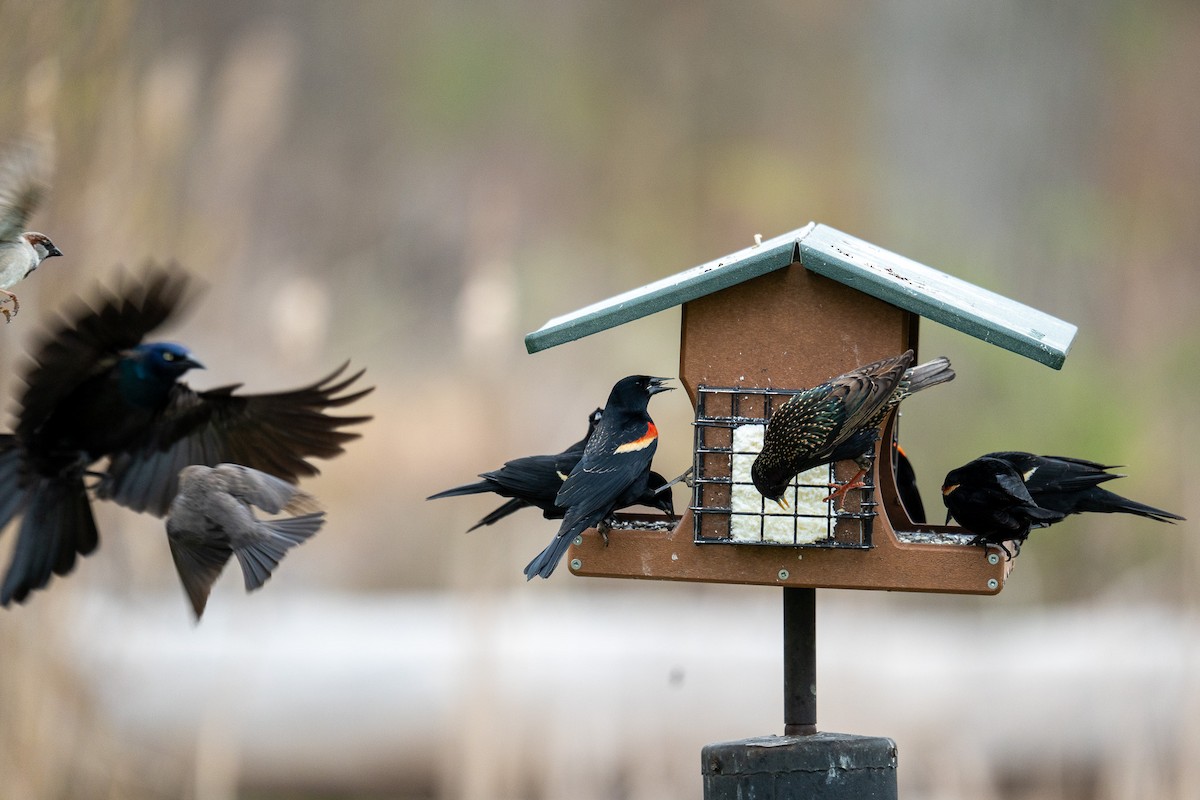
(658, 385)
(948, 517)
(783, 503)
(192, 363)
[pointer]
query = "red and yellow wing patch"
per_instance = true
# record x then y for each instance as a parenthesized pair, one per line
(642, 442)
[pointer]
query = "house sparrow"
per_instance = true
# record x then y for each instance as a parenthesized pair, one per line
(22, 188)
(210, 520)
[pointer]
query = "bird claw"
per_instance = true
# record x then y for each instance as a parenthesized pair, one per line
(16, 305)
(841, 490)
(687, 477)
(603, 528)
(987, 544)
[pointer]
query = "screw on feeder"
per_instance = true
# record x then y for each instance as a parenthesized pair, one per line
(576, 564)
(993, 558)
(579, 540)
(784, 574)
(993, 583)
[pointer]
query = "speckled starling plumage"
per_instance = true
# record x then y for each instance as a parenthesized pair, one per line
(838, 419)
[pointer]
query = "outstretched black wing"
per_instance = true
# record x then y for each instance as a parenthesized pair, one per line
(274, 433)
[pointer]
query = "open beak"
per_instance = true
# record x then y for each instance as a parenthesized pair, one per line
(658, 385)
(783, 503)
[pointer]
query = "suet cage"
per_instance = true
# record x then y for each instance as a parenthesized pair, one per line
(728, 509)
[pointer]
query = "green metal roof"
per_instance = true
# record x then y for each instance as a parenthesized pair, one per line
(861, 265)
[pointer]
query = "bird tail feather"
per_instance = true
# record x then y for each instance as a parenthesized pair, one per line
(261, 557)
(467, 488)
(544, 562)
(56, 526)
(1106, 502)
(931, 373)
(500, 513)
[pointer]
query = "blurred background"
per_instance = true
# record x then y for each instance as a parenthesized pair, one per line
(414, 186)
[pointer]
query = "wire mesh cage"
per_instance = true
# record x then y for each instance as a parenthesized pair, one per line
(726, 506)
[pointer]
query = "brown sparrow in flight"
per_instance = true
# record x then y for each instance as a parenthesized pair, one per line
(21, 190)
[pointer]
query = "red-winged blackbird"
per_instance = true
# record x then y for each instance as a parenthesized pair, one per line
(838, 420)
(614, 470)
(535, 481)
(1058, 485)
(1071, 485)
(95, 390)
(989, 499)
(906, 485)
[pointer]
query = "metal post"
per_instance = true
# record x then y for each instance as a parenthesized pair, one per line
(799, 661)
(802, 762)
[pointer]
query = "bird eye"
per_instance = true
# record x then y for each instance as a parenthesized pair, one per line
(168, 356)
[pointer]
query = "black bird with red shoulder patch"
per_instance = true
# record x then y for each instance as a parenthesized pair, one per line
(1072, 486)
(988, 498)
(535, 481)
(906, 484)
(837, 420)
(614, 470)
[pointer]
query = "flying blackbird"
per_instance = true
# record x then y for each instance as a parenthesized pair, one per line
(838, 420)
(614, 471)
(95, 389)
(906, 485)
(210, 520)
(535, 481)
(1071, 486)
(988, 498)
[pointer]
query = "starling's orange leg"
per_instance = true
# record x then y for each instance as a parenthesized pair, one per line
(840, 493)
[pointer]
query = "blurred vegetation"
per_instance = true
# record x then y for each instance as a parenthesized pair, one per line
(414, 186)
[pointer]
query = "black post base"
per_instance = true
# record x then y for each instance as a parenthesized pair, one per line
(829, 766)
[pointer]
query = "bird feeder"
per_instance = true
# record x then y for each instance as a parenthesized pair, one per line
(759, 325)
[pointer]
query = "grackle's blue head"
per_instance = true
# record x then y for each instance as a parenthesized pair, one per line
(164, 360)
(148, 371)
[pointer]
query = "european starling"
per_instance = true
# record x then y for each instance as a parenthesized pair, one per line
(989, 499)
(210, 520)
(614, 471)
(96, 390)
(838, 420)
(535, 481)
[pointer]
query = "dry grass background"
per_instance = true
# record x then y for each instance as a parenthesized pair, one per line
(414, 186)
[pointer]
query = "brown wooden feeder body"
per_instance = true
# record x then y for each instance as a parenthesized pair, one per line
(792, 329)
